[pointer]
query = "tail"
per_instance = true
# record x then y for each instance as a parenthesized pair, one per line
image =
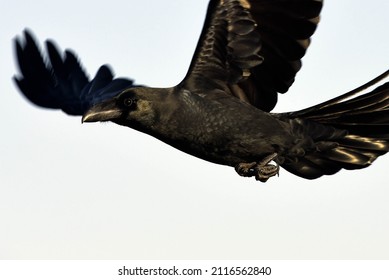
(348, 132)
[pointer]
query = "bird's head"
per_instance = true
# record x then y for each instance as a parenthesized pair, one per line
(136, 107)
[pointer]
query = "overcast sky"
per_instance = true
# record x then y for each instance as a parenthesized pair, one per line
(101, 191)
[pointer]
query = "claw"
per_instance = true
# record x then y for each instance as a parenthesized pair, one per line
(267, 171)
(246, 169)
(262, 170)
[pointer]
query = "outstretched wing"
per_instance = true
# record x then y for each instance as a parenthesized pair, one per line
(253, 48)
(58, 81)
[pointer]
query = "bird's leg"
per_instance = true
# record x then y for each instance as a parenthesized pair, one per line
(262, 170)
(265, 170)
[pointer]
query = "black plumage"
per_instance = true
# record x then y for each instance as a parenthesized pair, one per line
(248, 53)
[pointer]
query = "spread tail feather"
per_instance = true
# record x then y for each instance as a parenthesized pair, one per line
(348, 132)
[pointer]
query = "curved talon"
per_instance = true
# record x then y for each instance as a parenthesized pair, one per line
(246, 169)
(262, 170)
(266, 171)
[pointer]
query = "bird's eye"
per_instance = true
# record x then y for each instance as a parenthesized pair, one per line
(129, 102)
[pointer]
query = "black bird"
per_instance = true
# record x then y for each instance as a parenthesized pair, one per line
(249, 51)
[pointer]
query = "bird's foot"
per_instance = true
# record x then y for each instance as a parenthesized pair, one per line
(262, 170)
(265, 170)
(246, 169)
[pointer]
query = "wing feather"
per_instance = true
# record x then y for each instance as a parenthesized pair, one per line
(252, 49)
(58, 80)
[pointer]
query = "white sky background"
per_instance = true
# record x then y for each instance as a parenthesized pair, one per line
(101, 191)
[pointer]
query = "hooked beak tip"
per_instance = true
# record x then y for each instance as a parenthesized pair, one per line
(92, 116)
(103, 111)
(100, 114)
(84, 119)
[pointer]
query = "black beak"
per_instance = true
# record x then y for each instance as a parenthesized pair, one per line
(104, 111)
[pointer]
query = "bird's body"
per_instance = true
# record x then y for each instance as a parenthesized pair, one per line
(249, 51)
(214, 127)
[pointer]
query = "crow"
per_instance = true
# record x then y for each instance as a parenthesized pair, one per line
(248, 53)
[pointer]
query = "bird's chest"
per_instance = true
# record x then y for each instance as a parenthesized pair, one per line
(222, 134)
